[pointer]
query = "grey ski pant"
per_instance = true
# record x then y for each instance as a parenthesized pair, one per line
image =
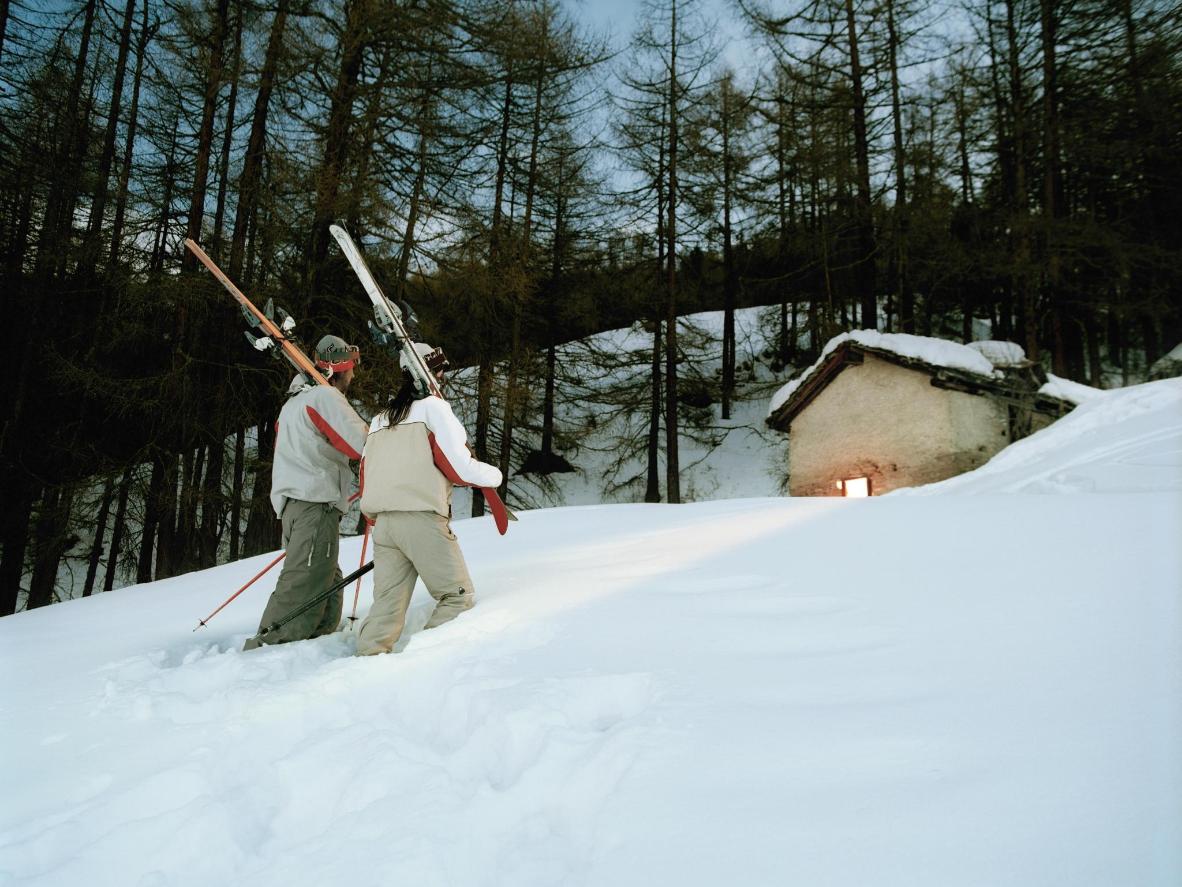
(311, 537)
(407, 545)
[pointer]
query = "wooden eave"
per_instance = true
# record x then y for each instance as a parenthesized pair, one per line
(844, 355)
(850, 353)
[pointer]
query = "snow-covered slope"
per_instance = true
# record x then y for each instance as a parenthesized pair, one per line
(915, 690)
(602, 418)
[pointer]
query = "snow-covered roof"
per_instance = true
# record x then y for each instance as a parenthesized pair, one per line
(988, 360)
(935, 352)
(1065, 389)
(1001, 354)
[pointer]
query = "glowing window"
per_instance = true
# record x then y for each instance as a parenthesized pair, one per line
(854, 486)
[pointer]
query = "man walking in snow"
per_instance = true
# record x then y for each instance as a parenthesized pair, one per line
(413, 448)
(317, 434)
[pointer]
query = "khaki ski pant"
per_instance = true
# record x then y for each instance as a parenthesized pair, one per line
(407, 545)
(311, 537)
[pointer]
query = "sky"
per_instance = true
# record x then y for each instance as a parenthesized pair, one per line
(620, 18)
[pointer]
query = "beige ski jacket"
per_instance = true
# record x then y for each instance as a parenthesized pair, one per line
(399, 470)
(318, 432)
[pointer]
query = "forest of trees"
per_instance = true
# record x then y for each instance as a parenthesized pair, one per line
(524, 181)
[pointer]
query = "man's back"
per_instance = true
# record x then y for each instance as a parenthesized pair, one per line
(317, 433)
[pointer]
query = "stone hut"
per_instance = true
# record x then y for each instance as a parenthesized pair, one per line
(880, 411)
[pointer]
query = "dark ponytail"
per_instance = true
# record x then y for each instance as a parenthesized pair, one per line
(399, 405)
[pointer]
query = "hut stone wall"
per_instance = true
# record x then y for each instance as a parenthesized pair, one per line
(890, 424)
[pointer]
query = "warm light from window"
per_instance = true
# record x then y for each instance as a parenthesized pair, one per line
(854, 486)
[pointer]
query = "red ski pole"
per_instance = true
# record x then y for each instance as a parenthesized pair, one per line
(258, 576)
(357, 588)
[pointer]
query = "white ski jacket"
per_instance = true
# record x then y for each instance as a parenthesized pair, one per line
(399, 471)
(318, 432)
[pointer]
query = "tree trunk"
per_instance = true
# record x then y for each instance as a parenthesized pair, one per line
(262, 527)
(19, 496)
(672, 460)
(556, 272)
(786, 345)
(373, 114)
(118, 530)
(962, 147)
(219, 215)
(1095, 367)
(160, 244)
(1151, 339)
(900, 285)
(100, 531)
(652, 492)
(252, 161)
(547, 446)
(412, 216)
(729, 282)
(864, 263)
(151, 526)
(52, 541)
(1023, 288)
(1052, 183)
(213, 84)
(188, 536)
(166, 527)
(99, 205)
(652, 489)
(512, 391)
(129, 144)
(236, 493)
(3, 32)
(57, 221)
(336, 142)
(484, 383)
(508, 417)
(213, 506)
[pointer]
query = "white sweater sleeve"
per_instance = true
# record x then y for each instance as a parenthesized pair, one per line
(453, 440)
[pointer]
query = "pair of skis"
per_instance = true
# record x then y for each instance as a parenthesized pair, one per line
(275, 335)
(389, 321)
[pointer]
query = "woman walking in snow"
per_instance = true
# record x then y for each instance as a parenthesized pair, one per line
(408, 499)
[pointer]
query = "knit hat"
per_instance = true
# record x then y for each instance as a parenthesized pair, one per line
(434, 358)
(335, 355)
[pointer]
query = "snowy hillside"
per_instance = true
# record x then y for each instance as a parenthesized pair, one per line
(602, 418)
(942, 689)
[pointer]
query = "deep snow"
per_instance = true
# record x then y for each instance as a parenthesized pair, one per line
(980, 685)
